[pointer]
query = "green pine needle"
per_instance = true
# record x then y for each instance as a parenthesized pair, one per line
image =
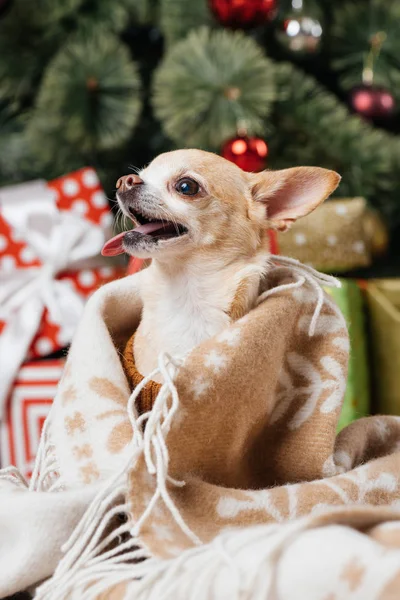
(111, 15)
(311, 126)
(210, 84)
(178, 17)
(141, 11)
(46, 13)
(15, 161)
(90, 96)
(354, 26)
(32, 32)
(50, 11)
(24, 50)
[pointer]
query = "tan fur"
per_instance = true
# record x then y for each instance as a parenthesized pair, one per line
(241, 301)
(201, 281)
(272, 185)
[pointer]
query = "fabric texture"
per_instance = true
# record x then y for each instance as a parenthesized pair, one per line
(254, 434)
(345, 554)
(33, 528)
(242, 434)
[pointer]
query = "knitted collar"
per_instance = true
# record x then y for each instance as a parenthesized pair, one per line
(149, 393)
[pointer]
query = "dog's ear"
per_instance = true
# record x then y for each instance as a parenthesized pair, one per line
(281, 197)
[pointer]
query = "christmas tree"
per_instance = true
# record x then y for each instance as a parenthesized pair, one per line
(112, 84)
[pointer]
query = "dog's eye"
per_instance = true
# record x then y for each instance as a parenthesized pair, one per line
(187, 186)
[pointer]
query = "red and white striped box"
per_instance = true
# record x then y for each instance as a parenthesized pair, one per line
(27, 408)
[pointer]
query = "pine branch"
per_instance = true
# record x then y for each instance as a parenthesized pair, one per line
(178, 17)
(25, 49)
(32, 32)
(141, 11)
(211, 83)
(89, 98)
(111, 15)
(313, 127)
(355, 25)
(46, 13)
(15, 163)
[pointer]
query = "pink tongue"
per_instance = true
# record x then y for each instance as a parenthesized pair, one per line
(114, 246)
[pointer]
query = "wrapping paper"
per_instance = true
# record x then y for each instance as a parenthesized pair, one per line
(340, 235)
(356, 402)
(27, 408)
(383, 298)
(51, 235)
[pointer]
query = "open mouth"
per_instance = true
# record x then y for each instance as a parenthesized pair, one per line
(149, 232)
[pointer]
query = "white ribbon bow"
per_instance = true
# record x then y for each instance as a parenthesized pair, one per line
(60, 240)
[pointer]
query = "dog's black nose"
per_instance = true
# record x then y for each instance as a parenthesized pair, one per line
(127, 182)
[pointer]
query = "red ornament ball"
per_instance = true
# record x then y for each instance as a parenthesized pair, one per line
(248, 153)
(372, 101)
(244, 13)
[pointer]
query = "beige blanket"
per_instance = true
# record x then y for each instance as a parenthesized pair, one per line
(242, 434)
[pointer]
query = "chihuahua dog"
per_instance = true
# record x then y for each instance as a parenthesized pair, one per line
(203, 223)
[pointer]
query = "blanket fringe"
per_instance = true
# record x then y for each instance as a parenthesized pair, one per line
(305, 274)
(219, 569)
(13, 475)
(46, 472)
(104, 551)
(45, 475)
(88, 555)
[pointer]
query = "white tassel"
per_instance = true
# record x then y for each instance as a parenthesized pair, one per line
(85, 559)
(220, 569)
(46, 474)
(13, 475)
(305, 274)
(89, 569)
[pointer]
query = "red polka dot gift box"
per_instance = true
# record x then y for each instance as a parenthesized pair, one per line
(26, 410)
(51, 235)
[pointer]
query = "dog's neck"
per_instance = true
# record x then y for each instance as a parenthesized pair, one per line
(188, 301)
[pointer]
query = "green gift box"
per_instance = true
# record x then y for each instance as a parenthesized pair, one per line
(356, 403)
(383, 297)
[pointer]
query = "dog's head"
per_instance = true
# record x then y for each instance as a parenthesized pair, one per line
(190, 200)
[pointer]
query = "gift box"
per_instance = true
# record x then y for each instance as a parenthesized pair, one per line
(356, 403)
(383, 297)
(340, 235)
(51, 235)
(27, 407)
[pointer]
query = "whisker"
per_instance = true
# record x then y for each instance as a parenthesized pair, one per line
(121, 220)
(117, 221)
